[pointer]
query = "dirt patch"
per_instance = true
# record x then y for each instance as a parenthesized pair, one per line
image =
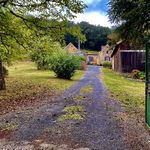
(135, 131)
(5, 134)
(11, 105)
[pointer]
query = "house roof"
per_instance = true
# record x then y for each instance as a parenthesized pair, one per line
(116, 48)
(73, 50)
(91, 54)
(131, 48)
(70, 46)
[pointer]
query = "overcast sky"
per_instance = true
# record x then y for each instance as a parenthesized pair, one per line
(96, 13)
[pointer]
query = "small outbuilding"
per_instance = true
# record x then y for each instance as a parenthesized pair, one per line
(126, 58)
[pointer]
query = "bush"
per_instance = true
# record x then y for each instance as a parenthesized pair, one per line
(107, 64)
(142, 75)
(64, 65)
(136, 74)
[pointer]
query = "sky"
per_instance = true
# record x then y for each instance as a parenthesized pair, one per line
(96, 13)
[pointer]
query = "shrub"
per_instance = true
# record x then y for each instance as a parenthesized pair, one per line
(64, 65)
(136, 74)
(142, 75)
(107, 64)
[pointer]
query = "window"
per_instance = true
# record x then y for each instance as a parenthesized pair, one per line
(107, 58)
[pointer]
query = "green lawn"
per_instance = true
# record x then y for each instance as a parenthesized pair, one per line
(130, 93)
(25, 80)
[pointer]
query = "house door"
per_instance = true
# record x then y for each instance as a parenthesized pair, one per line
(91, 59)
(148, 84)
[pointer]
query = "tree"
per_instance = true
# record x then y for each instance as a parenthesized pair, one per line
(112, 39)
(42, 55)
(23, 20)
(96, 36)
(132, 17)
(11, 39)
(74, 34)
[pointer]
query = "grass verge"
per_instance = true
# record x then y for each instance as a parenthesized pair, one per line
(130, 93)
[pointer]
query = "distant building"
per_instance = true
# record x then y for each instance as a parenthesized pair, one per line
(92, 59)
(104, 54)
(73, 50)
(126, 58)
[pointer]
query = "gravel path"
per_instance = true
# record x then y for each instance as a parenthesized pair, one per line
(82, 118)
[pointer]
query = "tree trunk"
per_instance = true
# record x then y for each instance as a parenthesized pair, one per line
(2, 79)
(79, 45)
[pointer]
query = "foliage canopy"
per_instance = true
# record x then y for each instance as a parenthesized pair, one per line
(21, 19)
(24, 22)
(96, 36)
(132, 17)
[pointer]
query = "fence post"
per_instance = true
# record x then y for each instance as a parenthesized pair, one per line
(147, 103)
